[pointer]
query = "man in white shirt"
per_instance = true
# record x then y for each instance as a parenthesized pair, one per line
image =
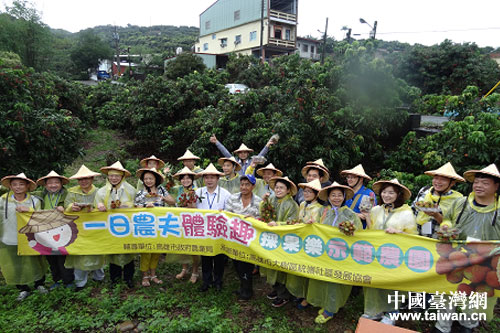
(213, 197)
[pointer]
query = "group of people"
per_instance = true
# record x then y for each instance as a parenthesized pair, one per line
(244, 188)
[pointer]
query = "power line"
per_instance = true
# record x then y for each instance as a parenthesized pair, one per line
(433, 31)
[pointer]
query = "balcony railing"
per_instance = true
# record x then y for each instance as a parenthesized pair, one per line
(282, 42)
(282, 16)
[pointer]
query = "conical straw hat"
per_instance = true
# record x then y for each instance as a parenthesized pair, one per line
(447, 171)
(377, 185)
(320, 163)
(186, 171)
(6, 181)
(293, 187)
(84, 172)
(325, 176)
(188, 155)
(115, 166)
(52, 174)
(323, 194)
(271, 167)
(232, 160)
(46, 220)
(357, 171)
(144, 162)
(491, 170)
(153, 170)
(314, 185)
(243, 148)
(211, 170)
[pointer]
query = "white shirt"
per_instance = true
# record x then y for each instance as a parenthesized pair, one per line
(215, 200)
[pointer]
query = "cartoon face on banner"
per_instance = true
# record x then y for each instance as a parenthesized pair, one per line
(55, 238)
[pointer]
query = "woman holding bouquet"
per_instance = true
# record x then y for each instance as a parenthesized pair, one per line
(185, 196)
(327, 295)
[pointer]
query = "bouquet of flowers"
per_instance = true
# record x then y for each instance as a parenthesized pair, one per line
(347, 227)
(268, 212)
(115, 204)
(292, 222)
(187, 199)
(427, 206)
(446, 234)
(169, 177)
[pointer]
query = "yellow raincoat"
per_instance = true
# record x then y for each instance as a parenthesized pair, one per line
(231, 185)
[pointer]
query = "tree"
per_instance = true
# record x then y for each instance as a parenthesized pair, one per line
(88, 50)
(185, 63)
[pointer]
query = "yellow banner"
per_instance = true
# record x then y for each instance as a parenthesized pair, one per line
(369, 258)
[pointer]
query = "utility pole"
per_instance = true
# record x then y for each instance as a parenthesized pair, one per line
(374, 29)
(324, 43)
(262, 54)
(349, 35)
(116, 37)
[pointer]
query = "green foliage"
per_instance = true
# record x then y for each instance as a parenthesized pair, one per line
(88, 50)
(184, 64)
(9, 59)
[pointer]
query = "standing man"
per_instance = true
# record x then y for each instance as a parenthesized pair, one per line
(244, 203)
(314, 170)
(213, 197)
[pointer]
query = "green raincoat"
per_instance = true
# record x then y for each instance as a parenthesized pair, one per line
(231, 185)
(83, 262)
(327, 295)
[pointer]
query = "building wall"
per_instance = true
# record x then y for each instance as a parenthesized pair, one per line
(309, 54)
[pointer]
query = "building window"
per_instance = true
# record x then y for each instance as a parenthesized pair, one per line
(236, 15)
(205, 47)
(253, 35)
(288, 33)
(237, 39)
(207, 25)
(312, 49)
(198, 49)
(223, 42)
(277, 33)
(305, 48)
(213, 36)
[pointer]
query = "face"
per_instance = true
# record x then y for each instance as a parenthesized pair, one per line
(352, 180)
(268, 174)
(309, 195)
(312, 174)
(484, 187)
(227, 168)
(115, 179)
(243, 155)
(246, 187)
(189, 164)
(186, 181)
(85, 183)
(19, 186)
(210, 180)
(441, 183)
(336, 197)
(55, 238)
(389, 195)
(152, 164)
(53, 184)
(149, 179)
(281, 190)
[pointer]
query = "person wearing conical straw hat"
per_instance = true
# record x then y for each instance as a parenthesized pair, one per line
(116, 194)
(287, 211)
(309, 212)
(477, 219)
(269, 171)
(53, 196)
(149, 163)
(183, 195)
(440, 195)
(330, 297)
(81, 197)
(311, 171)
(213, 197)
(243, 152)
(394, 216)
(153, 195)
(363, 196)
(231, 179)
(19, 270)
(189, 160)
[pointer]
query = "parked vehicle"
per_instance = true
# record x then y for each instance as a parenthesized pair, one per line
(103, 75)
(237, 88)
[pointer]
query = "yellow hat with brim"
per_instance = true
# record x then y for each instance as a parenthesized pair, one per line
(378, 185)
(52, 174)
(7, 179)
(140, 172)
(491, 170)
(211, 170)
(447, 171)
(320, 163)
(270, 166)
(46, 220)
(313, 185)
(84, 172)
(356, 171)
(237, 166)
(326, 174)
(243, 148)
(117, 166)
(186, 171)
(348, 192)
(293, 187)
(188, 156)
(144, 162)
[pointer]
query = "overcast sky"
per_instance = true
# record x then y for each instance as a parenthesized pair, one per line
(426, 22)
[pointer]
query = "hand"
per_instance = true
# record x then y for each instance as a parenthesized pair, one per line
(272, 224)
(266, 195)
(269, 143)
(253, 164)
(362, 215)
(393, 231)
(22, 209)
(101, 207)
(166, 170)
(213, 139)
(60, 208)
(75, 208)
(150, 205)
(309, 222)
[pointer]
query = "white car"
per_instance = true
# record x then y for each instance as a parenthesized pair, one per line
(236, 88)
